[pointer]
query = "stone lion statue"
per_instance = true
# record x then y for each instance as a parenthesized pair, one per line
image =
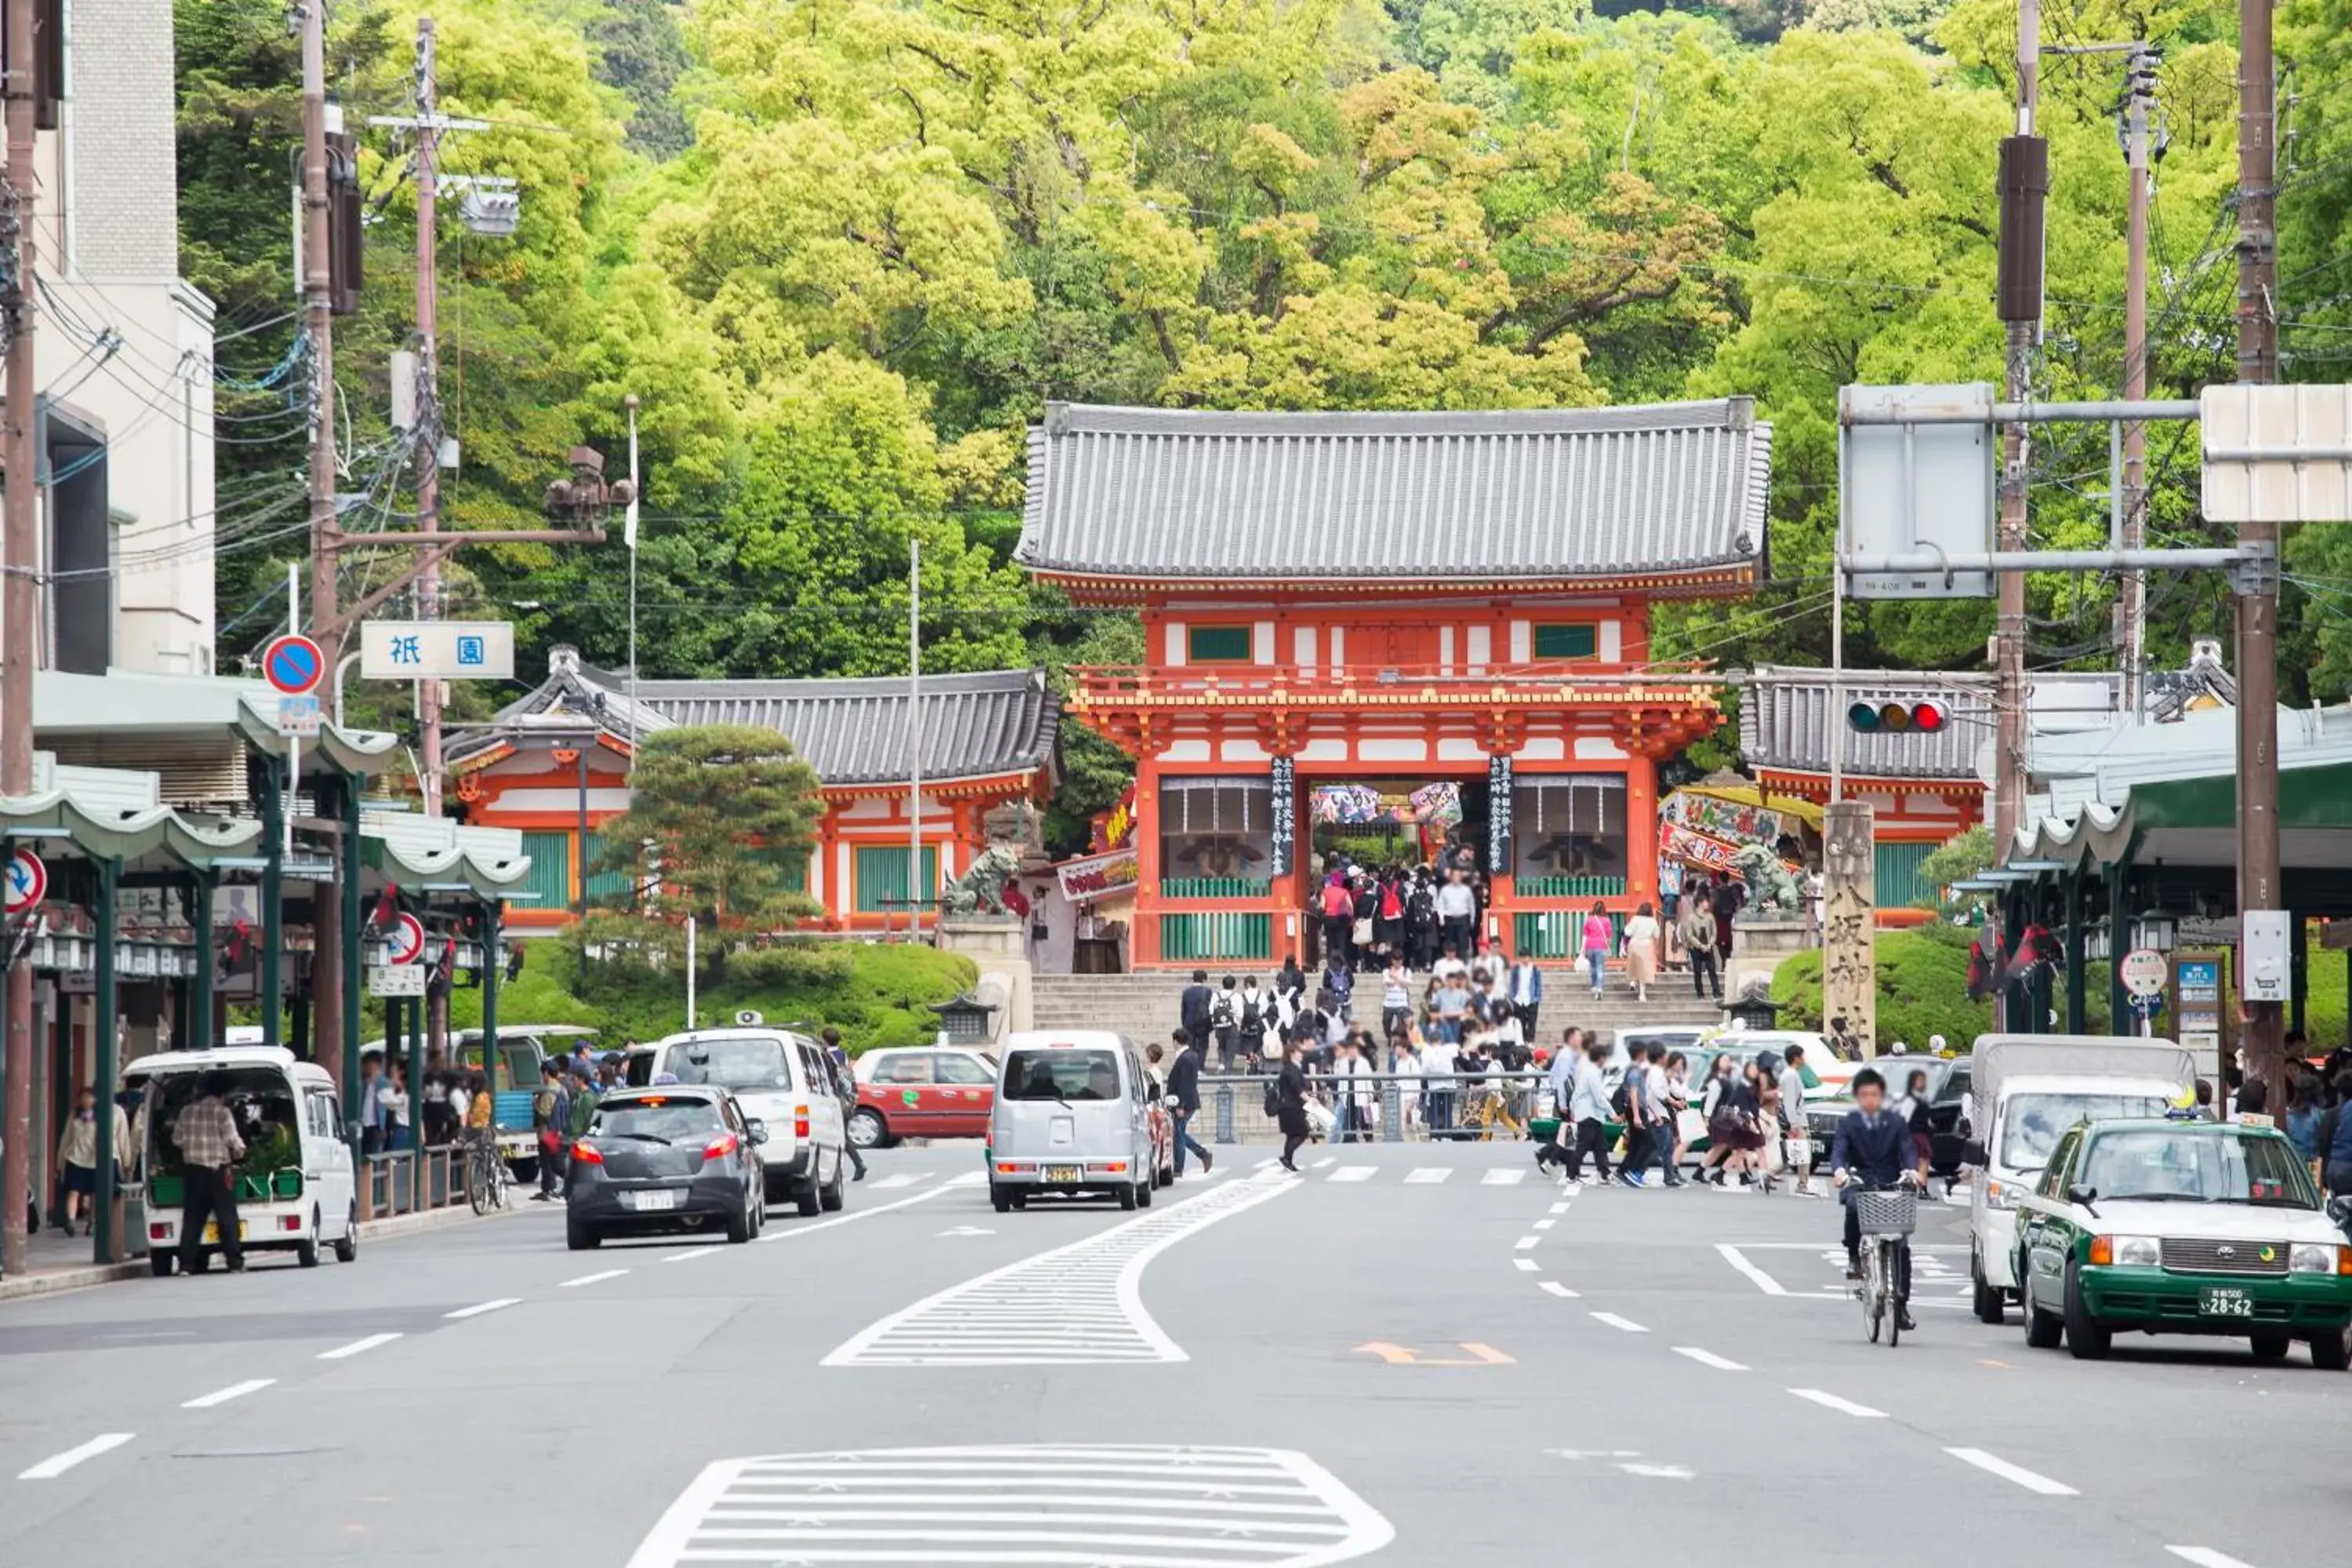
(1769, 882)
(981, 889)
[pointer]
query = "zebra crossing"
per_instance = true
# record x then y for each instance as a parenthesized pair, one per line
(1329, 1168)
(1107, 1506)
(1080, 1305)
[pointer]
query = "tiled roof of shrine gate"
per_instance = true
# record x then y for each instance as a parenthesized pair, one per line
(1529, 495)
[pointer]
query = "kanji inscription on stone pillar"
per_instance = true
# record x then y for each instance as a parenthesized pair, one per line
(1850, 922)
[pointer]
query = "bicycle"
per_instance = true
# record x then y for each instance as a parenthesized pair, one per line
(485, 1175)
(1886, 1216)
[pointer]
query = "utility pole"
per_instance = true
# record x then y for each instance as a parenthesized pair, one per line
(2024, 183)
(327, 977)
(914, 739)
(2131, 605)
(19, 600)
(2263, 1034)
(429, 404)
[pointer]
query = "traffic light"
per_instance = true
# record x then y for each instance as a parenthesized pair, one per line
(1896, 718)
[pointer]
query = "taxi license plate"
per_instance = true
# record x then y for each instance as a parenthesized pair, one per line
(212, 1232)
(2215, 1301)
(1063, 1173)
(653, 1201)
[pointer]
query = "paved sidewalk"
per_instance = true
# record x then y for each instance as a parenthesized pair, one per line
(62, 1262)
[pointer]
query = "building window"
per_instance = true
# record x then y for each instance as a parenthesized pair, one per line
(881, 877)
(551, 872)
(1216, 836)
(1567, 639)
(1570, 830)
(1217, 645)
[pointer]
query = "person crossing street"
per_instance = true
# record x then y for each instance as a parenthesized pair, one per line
(1184, 1103)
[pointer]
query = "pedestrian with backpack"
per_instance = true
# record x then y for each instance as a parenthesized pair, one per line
(551, 1113)
(1253, 1011)
(1225, 1021)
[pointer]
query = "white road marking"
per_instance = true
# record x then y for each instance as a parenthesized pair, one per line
(593, 1278)
(1026, 1504)
(968, 1179)
(1421, 1175)
(1614, 1321)
(478, 1308)
(357, 1347)
(2205, 1557)
(1543, 1225)
(1738, 1259)
(1080, 1305)
(1708, 1358)
(1354, 1174)
(223, 1395)
(1661, 1472)
(1558, 1208)
(815, 1226)
(1553, 1286)
(1527, 1243)
(902, 1179)
(1525, 1264)
(691, 1254)
(57, 1465)
(2027, 1479)
(1269, 1161)
(1511, 1177)
(1847, 1406)
(1326, 1162)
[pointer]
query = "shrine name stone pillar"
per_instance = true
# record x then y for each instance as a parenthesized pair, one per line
(1850, 922)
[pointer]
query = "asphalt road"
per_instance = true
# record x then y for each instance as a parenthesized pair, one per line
(1411, 1356)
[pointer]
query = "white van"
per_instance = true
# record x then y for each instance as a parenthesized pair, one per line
(781, 1077)
(2026, 1091)
(295, 1188)
(1073, 1114)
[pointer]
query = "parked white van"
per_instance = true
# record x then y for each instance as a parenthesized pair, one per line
(1073, 1114)
(2026, 1092)
(295, 1188)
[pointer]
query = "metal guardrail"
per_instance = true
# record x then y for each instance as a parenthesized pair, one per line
(389, 1182)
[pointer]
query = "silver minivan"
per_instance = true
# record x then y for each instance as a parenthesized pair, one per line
(1073, 1114)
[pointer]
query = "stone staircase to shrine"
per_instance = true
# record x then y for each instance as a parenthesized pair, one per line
(1144, 1006)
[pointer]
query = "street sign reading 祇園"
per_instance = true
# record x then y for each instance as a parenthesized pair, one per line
(2143, 972)
(293, 664)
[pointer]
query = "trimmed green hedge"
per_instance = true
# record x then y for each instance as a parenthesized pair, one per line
(875, 993)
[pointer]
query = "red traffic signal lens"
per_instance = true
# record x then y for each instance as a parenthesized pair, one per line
(1926, 717)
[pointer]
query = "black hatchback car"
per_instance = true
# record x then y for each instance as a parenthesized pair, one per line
(680, 1158)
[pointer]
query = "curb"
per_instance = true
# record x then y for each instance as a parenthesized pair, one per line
(59, 1280)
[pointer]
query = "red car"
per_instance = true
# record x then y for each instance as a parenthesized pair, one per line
(922, 1092)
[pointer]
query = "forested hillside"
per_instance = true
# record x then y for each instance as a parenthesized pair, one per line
(842, 250)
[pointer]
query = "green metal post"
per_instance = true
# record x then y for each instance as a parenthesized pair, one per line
(2120, 1017)
(102, 1024)
(492, 910)
(2076, 1000)
(273, 902)
(354, 970)
(200, 934)
(2299, 975)
(416, 1097)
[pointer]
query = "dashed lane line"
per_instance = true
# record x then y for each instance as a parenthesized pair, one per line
(1739, 1260)
(357, 1347)
(1543, 1225)
(478, 1308)
(815, 1226)
(1844, 1406)
(1554, 1288)
(1422, 1175)
(57, 1465)
(596, 1278)
(1503, 1176)
(1708, 1358)
(2031, 1480)
(1527, 1243)
(900, 1179)
(1558, 1208)
(1525, 1265)
(691, 1254)
(1354, 1174)
(2205, 1557)
(1327, 1162)
(1614, 1321)
(223, 1395)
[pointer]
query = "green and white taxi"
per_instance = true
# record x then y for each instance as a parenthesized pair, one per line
(2182, 1227)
